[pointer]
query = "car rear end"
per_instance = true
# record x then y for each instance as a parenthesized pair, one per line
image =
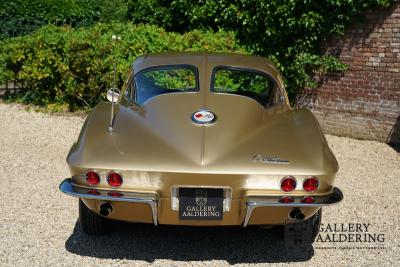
(202, 199)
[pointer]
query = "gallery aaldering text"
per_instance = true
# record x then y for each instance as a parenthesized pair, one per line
(350, 232)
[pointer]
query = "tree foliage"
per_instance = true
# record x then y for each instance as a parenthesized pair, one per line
(72, 65)
(289, 32)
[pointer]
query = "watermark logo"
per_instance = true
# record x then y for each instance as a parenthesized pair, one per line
(201, 197)
(349, 236)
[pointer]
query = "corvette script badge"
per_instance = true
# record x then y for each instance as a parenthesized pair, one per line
(203, 117)
(264, 159)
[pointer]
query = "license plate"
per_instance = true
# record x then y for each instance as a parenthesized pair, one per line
(201, 203)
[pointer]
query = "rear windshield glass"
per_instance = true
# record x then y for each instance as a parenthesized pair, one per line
(167, 79)
(256, 85)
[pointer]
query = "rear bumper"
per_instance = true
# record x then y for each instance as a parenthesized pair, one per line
(273, 201)
(152, 199)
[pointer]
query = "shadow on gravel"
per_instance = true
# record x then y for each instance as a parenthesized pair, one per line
(394, 136)
(146, 242)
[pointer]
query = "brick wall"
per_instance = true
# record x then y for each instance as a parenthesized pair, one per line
(364, 101)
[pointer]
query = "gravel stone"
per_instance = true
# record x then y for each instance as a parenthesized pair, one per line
(39, 224)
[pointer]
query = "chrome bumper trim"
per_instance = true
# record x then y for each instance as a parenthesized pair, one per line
(273, 201)
(135, 197)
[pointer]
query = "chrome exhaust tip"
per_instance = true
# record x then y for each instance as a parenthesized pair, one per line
(105, 209)
(296, 214)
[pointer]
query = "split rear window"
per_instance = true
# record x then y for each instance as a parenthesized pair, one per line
(165, 79)
(250, 83)
(154, 81)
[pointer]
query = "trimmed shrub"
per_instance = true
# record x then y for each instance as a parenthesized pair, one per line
(72, 68)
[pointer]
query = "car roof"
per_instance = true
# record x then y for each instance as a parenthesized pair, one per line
(206, 61)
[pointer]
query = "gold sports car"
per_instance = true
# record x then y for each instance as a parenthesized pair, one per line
(201, 139)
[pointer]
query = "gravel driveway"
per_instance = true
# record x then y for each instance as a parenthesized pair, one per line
(39, 225)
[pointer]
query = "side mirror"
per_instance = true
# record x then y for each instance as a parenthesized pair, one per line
(113, 95)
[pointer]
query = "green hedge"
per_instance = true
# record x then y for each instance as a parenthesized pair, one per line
(72, 68)
(19, 17)
(290, 32)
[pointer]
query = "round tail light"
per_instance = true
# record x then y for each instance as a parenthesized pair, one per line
(92, 178)
(286, 200)
(310, 184)
(288, 184)
(114, 179)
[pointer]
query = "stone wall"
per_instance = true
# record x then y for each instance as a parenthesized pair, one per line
(364, 101)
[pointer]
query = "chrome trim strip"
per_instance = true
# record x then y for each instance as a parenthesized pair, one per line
(134, 197)
(273, 201)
